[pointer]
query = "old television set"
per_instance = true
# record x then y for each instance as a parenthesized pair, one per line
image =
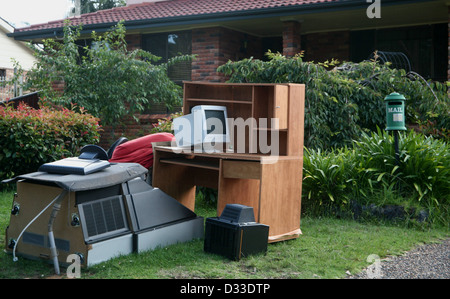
(205, 126)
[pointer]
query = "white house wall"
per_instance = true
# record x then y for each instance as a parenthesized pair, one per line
(10, 48)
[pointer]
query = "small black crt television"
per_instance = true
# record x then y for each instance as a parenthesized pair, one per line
(235, 234)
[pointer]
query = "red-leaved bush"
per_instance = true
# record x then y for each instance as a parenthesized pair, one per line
(31, 137)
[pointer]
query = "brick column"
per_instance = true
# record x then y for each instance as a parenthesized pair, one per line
(215, 46)
(291, 38)
(134, 41)
(206, 45)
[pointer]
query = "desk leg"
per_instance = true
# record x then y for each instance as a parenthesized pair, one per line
(274, 192)
(281, 198)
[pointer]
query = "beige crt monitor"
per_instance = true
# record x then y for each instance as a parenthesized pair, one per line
(206, 124)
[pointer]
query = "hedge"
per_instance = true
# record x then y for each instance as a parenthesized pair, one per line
(348, 99)
(31, 137)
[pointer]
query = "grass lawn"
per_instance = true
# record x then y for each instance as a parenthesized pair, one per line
(328, 248)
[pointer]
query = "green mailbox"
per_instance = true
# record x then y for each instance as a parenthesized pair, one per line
(395, 112)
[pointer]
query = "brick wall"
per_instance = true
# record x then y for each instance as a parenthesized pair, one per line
(237, 45)
(58, 86)
(206, 45)
(134, 41)
(215, 46)
(7, 91)
(129, 128)
(327, 45)
(291, 38)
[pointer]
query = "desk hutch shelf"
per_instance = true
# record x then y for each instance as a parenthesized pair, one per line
(271, 185)
(255, 101)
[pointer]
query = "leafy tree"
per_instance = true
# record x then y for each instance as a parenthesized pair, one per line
(107, 80)
(87, 6)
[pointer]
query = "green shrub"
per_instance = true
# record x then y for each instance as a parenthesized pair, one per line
(327, 179)
(348, 99)
(368, 174)
(330, 116)
(422, 172)
(427, 105)
(30, 137)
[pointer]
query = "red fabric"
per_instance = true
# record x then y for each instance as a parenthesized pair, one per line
(139, 150)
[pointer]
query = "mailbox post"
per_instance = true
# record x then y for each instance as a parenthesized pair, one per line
(395, 117)
(395, 112)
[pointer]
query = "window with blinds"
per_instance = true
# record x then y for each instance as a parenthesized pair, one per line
(169, 45)
(166, 46)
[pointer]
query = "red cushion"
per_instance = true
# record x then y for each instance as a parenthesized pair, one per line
(139, 150)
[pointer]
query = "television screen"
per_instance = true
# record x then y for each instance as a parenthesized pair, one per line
(205, 125)
(213, 119)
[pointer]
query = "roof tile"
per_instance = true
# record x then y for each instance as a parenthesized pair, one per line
(170, 8)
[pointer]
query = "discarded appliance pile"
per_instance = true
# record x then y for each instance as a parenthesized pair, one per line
(98, 206)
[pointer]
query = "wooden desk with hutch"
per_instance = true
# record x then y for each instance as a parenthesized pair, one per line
(270, 184)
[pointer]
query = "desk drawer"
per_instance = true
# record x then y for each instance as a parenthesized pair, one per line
(241, 170)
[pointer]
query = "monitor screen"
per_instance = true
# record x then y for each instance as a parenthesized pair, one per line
(215, 122)
(206, 124)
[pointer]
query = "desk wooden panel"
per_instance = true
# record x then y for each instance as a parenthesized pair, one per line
(241, 170)
(271, 185)
(272, 189)
(176, 180)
